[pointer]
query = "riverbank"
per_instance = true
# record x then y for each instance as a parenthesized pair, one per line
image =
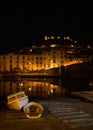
(87, 95)
(62, 114)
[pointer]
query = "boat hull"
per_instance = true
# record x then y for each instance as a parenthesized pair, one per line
(18, 103)
(33, 110)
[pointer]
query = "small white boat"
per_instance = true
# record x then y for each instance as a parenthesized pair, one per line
(17, 100)
(33, 110)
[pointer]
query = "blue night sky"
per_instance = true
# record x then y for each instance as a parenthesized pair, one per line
(24, 25)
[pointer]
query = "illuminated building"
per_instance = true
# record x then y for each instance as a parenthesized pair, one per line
(42, 57)
(45, 60)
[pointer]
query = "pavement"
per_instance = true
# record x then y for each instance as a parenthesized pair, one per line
(88, 95)
(61, 114)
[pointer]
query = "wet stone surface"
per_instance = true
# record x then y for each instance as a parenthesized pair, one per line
(63, 114)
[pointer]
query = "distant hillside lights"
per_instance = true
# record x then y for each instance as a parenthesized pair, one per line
(51, 37)
(67, 38)
(58, 37)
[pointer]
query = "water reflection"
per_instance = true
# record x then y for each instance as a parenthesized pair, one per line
(34, 88)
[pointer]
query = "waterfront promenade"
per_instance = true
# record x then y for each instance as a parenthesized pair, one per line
(62, 114)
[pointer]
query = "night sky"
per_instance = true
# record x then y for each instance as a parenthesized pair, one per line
(23, 24)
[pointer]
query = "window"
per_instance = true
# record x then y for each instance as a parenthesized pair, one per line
(10, 61)
(54, 52)
(23, 57)
(17, 57)
(53, 61)
(40, 58)
(4, 57)
(36, 58)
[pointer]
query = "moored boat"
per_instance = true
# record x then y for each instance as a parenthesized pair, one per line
(33, 110)
(17, 100)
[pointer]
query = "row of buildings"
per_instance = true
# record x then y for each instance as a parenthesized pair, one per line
(46, 56)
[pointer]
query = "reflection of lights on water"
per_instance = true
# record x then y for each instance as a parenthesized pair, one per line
(90, 83)
(52, 45)
(30, 89)
(21, 84)
(46, 88)
(51, 90)
(48, 92)
(21, 68)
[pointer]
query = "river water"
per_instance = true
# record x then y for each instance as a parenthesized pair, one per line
(44, 88)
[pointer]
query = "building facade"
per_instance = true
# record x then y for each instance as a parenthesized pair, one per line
(45, 56)
(45, 60)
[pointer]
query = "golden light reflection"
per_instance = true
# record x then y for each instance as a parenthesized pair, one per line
(21, 84)
(52, 37)
(30, 50)
(53, 45)
(32, 88)
(58, 37)
(45, 37)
